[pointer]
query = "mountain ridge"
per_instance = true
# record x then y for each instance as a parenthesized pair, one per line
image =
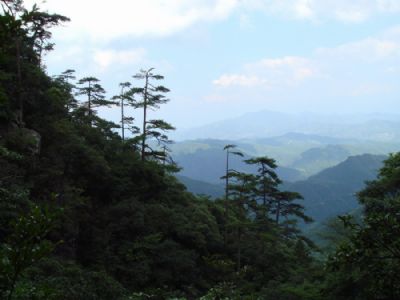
(266, 123)
(332, 191)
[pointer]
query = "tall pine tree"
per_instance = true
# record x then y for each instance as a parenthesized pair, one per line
(152, 96)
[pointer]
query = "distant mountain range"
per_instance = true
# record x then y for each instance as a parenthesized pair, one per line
(327, 194)
(377, 127)
(313, 160)
(298, 155)
(296, 137)
(320, 156)
(205, 161)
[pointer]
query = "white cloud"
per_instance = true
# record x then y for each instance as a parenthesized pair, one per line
(391, 6)
(227, 80)
(358, 69)
(371, 49)
(68, 53)
(284, 71)
(292, 69)
(102, 19)
(303, 9)
(353, 11)
(106, 58)
(352, 16)
(287, 61)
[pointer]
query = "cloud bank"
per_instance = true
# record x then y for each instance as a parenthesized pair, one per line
(99, 19)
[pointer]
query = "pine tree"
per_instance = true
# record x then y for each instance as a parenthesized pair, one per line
(228, 174)
(26, 34)
(242, 189)
(126, 99)
(95, 95)
(65, 79)
(267, 180)
(38, 24)
(284, 205)
(152, 96)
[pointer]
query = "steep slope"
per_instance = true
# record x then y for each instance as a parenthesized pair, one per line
(298, 155)
(198, 187)
(209, 165)
(316, 159)
(332, 191)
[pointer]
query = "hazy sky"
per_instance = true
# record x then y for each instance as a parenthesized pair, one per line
(222, 58)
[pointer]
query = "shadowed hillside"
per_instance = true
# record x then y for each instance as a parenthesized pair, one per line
(333, 191)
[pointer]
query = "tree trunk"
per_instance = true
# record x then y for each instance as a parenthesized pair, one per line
(145, 116)
(278, 211)
(226, 197)
(239, 253)
(90, 104)
(122, 118)
(264, 188)
(20, 116)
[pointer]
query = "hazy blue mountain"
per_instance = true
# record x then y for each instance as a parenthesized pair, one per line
(316, 159)
(285, 149)
(332, 191)
(297, 137)
(191, 146)
(298, 155)
(327, 194)
(208, 164)
(202, 188)
(268, 123)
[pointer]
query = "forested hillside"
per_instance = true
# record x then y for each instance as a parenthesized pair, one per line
(333, 191)
(92, 210)
(299, 156)
(206, 164)
(328, 194)
(89, 214)
(198, 187)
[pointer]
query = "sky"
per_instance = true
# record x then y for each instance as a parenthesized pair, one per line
(223, 58)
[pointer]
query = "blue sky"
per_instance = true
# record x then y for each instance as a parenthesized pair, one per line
(222, 58)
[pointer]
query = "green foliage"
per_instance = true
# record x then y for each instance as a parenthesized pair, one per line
(24, 247)
(152, 96)
(95, 94)
(364, 266)
(129, 228)
(223, 291)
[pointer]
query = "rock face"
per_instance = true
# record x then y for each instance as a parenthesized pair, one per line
(26, 140)
(22, 138)
(33, 138)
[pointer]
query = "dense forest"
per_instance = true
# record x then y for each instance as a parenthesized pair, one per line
(92, 210)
